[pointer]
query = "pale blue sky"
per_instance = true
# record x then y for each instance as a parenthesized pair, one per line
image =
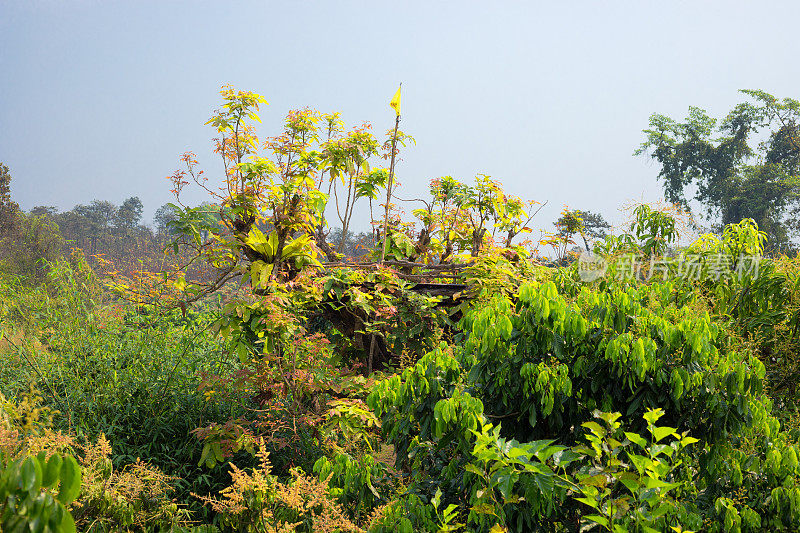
(99, 98)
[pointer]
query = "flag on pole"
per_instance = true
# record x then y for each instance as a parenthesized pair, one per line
(395, 103)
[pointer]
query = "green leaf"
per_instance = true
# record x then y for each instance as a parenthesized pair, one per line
(588, 501)
(660, 510)
(597, 480)
(469, 467)
(686, 441)
(652, 483)
(515, 452)
(631, 482)
(30, 475)
(437, 498)
(653, 415)
(505, 327)
(505, 483)
(658, 449)
(532, 416)
(204, 456)
(636, 439)
(216, 447)
(67, 523)
(70, 480)
(595, 428)
(51, 470)
(564, 457)
(597, 519)
(241, 352)
(661, 432)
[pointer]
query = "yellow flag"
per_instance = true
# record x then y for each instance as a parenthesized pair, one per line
(395, 103)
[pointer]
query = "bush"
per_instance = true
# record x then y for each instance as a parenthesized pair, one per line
(34, 458)
(540, 364)
(33, 243)
(131, 377)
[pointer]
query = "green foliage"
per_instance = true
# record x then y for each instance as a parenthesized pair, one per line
(29, 246)
(567, 226)
(757, 298)
(543, 363)
(623, 479)
(525, 400)
(648, 504)
(654, 229)
(96, 496)
(37, 486)
(447, 516)
(463, 219)
(128, 374)
(30, 501)
(129, 213)
(359, 482)
(385, 305)
(8, 208)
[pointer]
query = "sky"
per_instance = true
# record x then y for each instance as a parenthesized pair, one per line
(98, 99)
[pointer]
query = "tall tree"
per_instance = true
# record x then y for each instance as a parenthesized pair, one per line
(129, 213)
(8, 208)
(99, 214)
(163, 216)
(746, 166)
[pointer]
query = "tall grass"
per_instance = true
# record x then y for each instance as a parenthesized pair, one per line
(129, 373)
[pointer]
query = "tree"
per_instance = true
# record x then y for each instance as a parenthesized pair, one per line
(99, 215)
(590, 226)
(35, 244)
(8, 208)
(88, 222)
(463, 218)
(734, 176)
(567, 226)
(27, 242)
(163, 216)
(129, 213)
(594, 225)
(44, 211)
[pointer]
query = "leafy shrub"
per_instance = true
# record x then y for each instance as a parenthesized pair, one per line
(91, 495)
(35, 488)
(129, 376)
(33, 243)
(258, 501)
(624, 479)
(545, 361)
(27, 490)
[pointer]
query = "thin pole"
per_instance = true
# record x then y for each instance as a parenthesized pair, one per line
(389, 190)
(385, 227)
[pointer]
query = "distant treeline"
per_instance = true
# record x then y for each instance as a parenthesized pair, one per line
(111, 237)
(100, 227)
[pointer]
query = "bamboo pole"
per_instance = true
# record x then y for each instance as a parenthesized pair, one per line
(389, 189)
(385, 223)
